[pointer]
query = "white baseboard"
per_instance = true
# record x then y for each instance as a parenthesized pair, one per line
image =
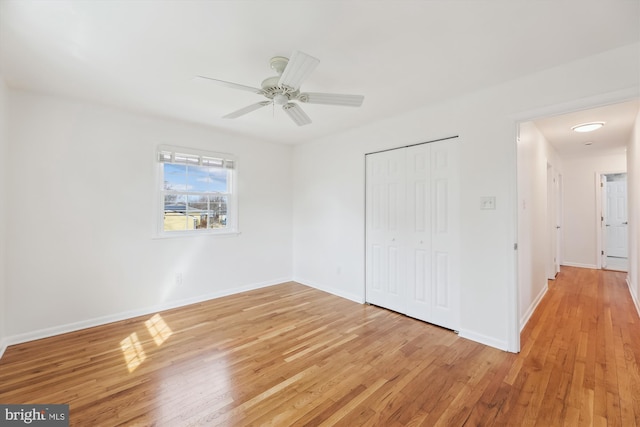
(470, 335)
(98, 321)
(3, 346)
(634, 297)
(525, 318)
(580, 265)
(483, 339)
(337, 292)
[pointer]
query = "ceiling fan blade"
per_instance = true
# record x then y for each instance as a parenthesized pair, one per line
(296, 113)
(331, 99)
(298, 69)
(233, 85)
(247, 109)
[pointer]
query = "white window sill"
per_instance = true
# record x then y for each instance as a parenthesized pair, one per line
(169, 235)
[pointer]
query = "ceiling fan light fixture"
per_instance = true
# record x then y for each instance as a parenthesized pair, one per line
(280, 99)
(587, 127)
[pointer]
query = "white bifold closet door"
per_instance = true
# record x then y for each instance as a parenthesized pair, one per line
(412, 231)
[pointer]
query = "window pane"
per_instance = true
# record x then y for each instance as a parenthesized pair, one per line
(196, 190)
(198, 204)
(205, 179)
(198, 209)
(218, 212)
(175, 177)
(175, 213)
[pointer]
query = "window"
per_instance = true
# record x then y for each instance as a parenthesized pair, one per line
(197, 192)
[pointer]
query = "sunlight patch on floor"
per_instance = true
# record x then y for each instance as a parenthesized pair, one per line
(158, 329)
(133, 352)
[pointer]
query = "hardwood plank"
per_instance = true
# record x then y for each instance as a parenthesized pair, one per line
(293, 355)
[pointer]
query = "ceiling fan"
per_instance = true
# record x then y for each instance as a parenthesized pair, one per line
(285, 88)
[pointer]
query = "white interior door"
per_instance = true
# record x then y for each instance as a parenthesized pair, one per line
(385, 213)
(616, 219)
(413, 248)
(603, 223)
(445, 234)
(419, 298)
(558, 216)
(551, 223)
(554, 215)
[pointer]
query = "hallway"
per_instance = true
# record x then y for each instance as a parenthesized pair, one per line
(580, 354)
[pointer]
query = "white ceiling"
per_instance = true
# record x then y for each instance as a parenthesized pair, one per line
(609, 139)
(142, 55)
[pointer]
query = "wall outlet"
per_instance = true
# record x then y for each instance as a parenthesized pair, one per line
(178, 279)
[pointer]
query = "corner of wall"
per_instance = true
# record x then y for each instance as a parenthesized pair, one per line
(3, 162)
(636, 302)
(330, 290)
(633, 171)
(483, 339)
(524, 319)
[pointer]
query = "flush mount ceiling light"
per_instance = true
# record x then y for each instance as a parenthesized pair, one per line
(587, 127)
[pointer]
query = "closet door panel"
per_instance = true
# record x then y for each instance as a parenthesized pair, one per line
(418, 298)
(445, 234)
(412, 232)
(385, 213)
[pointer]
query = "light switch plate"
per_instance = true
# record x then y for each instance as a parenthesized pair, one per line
(488, 203)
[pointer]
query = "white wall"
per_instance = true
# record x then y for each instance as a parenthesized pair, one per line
(3, 206)
(81, 187)
(534, 154)
(633, 189)
(80, 227)
(329, 186)
(581, 200)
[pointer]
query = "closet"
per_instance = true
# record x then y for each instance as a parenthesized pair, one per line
(412, 231)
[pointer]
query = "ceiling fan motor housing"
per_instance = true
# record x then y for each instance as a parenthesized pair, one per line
(275, 92)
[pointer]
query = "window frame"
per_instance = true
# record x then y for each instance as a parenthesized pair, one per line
(229, 162)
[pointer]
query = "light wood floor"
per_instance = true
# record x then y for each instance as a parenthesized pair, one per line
(292, 355)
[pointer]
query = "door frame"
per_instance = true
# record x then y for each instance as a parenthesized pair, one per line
(554, 221)
(513, 292)
(601, 239)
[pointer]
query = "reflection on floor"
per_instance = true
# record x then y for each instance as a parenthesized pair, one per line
(618, 264)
